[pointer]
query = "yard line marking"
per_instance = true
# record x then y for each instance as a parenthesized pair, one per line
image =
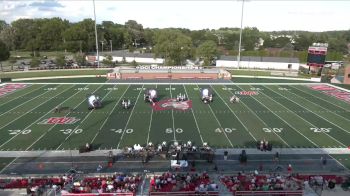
(27, 111)
(149, 127)
(195, 120)
(172, 115)
(25, 114)
(46, 132)
(20, 96)
(150, 124)
(127, 123)
(320, 105)
(263, 120)
(219, 123)
(3, 169)
(311, 111)
(104, 122)
(86, 116)
(26, 102)
(305, 120)
(235, 115)
(284, 120)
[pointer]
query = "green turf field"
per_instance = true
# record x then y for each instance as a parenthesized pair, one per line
(286, 115)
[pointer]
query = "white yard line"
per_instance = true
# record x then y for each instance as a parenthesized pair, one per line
(25, 102)
(320, 105)
(263, 120)
(31, 123)
(86, 116)
(104, 122)
(311, 111)
(340, 88)
(149, 127)
(323, 99)
(12, 99)
(218, 123)
(236, 115)
(127, 123)
(46, 132)
(3, 169)
(172, 115)
(290, 124)
(27, 111)
(194, 117)
(304, 120)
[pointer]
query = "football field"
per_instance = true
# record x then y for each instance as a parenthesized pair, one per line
(286, 115)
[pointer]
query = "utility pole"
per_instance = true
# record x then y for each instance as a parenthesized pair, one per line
(102, 42)
(98, 56)
(240, 37)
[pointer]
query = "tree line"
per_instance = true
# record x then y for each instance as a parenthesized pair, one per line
(173, 44)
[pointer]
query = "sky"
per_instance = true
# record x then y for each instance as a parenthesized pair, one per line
(272, 15)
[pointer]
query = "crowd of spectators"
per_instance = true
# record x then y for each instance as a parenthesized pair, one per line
(177, 182)
(117, 183)
(277, 182)
(256, 182)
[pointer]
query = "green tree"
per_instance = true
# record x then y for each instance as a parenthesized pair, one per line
(108, 60)
(80, 59)
(4, 53)
(135, 31)
(172, 45)
(207, 51)
(35, 62)
(60, 60)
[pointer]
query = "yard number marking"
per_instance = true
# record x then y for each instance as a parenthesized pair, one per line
(320, 130)
(111, 89)
(227, 130)
(168, 89)
(269, 130)
(177, 130)
(283, 89)
(138, 89)
(69, 131)
(18, 131)
(51, 89)
(82, 89)
(121, 130)
(256, 89)
(227, 89)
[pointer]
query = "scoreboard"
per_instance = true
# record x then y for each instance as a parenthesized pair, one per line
(316, 56)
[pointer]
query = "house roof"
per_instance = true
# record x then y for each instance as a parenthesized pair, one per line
(260, 59)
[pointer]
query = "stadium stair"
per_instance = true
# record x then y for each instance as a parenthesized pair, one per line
(222, 188)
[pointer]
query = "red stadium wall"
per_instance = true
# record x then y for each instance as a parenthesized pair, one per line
(169, 76)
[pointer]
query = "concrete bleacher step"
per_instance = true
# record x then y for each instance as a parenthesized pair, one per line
(222, 188)
(143, 189)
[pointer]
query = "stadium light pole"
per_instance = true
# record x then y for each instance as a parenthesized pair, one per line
(240, 36)
(98, 56)
(111, 45)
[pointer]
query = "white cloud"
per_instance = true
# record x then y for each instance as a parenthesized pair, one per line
(266, 15)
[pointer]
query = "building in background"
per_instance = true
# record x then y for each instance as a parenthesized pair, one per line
(127, 57)
(253, 62)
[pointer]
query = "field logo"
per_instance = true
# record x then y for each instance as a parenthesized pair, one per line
(9, 88)
(170, 104)
(59, 121)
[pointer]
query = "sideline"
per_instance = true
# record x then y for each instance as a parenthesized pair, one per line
(251, 151)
